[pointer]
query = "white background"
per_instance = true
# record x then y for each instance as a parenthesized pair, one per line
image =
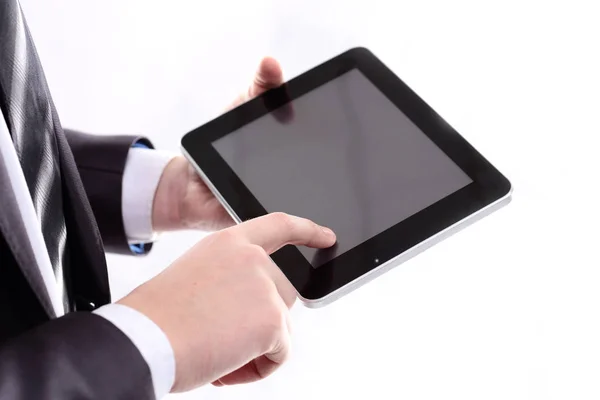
(507, 309)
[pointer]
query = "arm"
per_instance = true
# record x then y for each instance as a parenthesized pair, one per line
(227, 319)
(101, 163)
(136, 192)
(120, 180)
(78, 356)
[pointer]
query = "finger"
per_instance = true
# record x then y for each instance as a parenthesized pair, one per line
(255, 370)
(260, 367)
(268, 76)
(273, 231)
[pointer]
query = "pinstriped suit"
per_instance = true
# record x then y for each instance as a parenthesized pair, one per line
(71, 357)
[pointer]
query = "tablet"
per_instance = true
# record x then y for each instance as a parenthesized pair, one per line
(350, 146)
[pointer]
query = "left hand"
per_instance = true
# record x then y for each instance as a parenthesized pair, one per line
(182, 200)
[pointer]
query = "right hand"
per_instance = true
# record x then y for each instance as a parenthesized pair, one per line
(224, 305)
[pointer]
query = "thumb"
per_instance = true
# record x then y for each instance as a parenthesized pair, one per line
(268, 75)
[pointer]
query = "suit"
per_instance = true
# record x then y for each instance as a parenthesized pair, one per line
(43, 353)
(46, 358)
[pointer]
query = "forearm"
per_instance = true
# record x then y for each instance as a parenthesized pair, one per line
(101, 163)
(120, 180)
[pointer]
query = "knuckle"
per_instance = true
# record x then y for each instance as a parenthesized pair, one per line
(283, 219)
(226, 235)
(291, 225)
(254, 253)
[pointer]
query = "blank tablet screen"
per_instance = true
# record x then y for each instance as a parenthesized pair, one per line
(346, 157)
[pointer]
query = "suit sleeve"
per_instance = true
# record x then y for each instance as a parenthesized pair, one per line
(101, 163)
(77, 356)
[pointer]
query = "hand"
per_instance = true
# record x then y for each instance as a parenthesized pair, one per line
(182, 200)
(224, 304)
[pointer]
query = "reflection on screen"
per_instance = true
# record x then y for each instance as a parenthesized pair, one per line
(348, 159)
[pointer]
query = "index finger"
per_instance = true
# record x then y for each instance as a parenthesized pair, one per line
(273, 231)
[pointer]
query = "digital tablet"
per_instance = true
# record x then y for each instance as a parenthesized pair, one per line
(350, 146)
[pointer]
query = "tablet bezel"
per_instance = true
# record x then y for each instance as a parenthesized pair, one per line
(488, 185)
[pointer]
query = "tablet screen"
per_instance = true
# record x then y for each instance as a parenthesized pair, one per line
(344, 156)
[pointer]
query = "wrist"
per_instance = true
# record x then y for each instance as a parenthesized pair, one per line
(166, 207)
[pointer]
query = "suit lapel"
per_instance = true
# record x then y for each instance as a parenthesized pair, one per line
(90, 277)
(86, 265)
(15, 234)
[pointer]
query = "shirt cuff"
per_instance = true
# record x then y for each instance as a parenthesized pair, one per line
(149, 339)
(143, 170)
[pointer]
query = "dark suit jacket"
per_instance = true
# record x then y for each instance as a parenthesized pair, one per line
(80, 355)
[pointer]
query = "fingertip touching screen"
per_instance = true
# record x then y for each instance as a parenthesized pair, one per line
(348, 159)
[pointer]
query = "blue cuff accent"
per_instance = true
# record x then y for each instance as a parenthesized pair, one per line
(140, 145)
(139, 248)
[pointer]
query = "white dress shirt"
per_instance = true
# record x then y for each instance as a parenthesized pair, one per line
(142, 174)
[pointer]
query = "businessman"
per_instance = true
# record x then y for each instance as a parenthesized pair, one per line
(218, 314)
